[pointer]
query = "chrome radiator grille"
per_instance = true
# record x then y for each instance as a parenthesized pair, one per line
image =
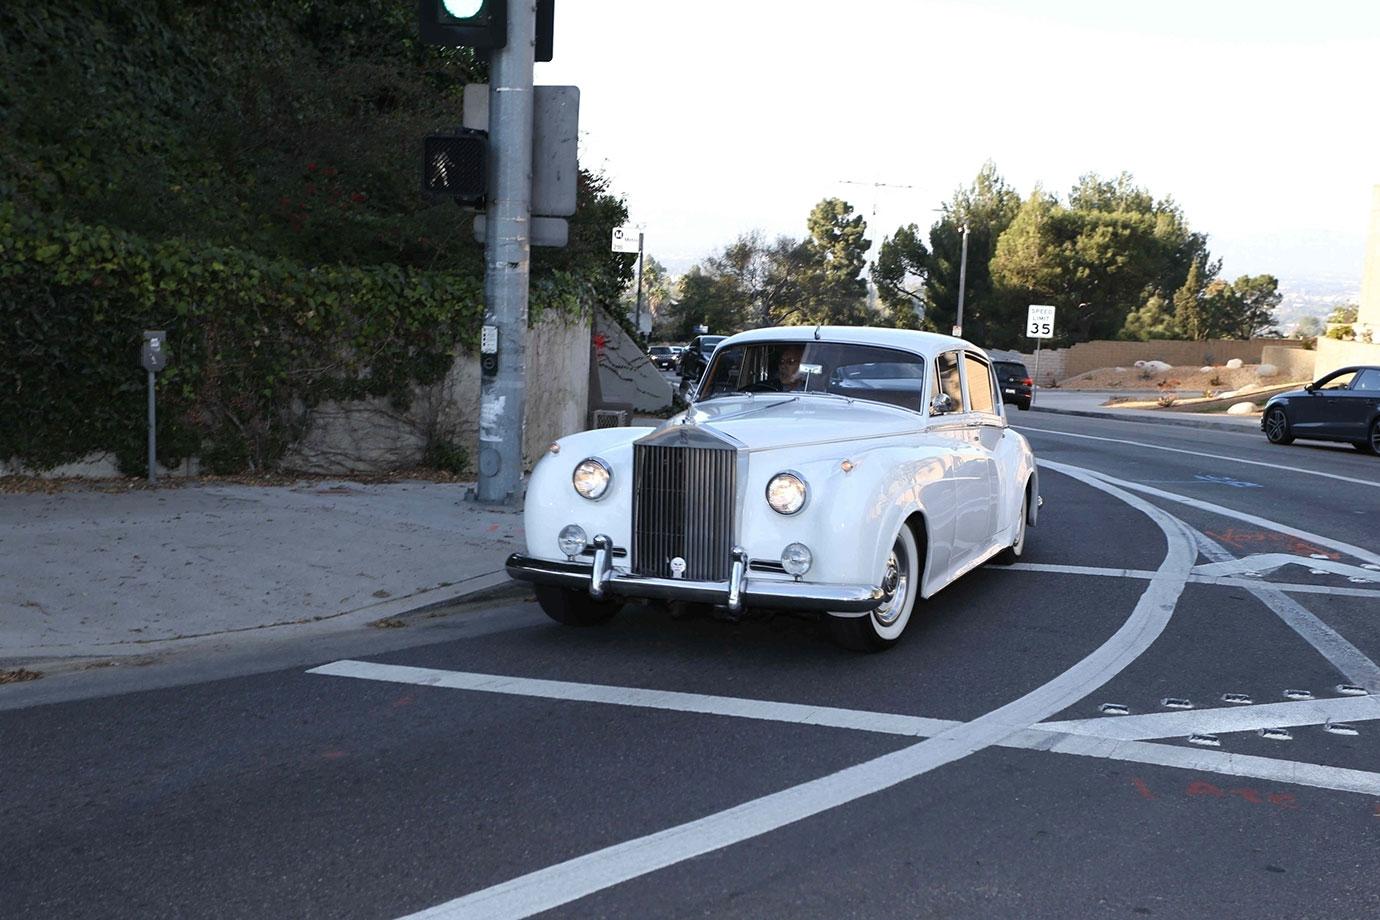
(683, 506)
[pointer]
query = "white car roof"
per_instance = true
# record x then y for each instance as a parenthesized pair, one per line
(924, 343)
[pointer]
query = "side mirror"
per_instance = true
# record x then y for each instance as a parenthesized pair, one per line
(942, 404)
(1311, 388)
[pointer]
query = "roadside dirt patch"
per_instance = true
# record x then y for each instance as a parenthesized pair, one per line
(19, 675)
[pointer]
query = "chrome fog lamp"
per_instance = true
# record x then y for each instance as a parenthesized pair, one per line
(796, 559)
(786, 493)
(572, 540)
(591, 478)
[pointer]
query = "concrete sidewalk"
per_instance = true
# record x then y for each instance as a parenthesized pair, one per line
(91, 573)
(1089, 403)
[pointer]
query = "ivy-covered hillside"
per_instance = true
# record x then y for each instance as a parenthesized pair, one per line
(245, 174)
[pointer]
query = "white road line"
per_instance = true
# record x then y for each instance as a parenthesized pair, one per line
(1222, 719)
(673, 701)
(1318, 776)
(1288, 587)
(1194, 453)
(560, 884)
(1197, 578)
(1051, 568)
(1268, 562)
(1349, 660)
(1355, 551)
(1096, 740)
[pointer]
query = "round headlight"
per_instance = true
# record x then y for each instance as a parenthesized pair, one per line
(591, 478)
(572, 540)
(796, 559)
(786, 493)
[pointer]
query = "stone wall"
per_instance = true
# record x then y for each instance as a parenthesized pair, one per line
(1052, 363)
(1333, 354)
(557, 384)
(1294, 364)
(1368, 312)
(1089, 356)
(371, 436)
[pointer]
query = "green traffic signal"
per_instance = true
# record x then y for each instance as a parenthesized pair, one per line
(464, 23)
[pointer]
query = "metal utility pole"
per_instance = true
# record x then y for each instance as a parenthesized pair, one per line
(962, 283)
(507, 257)
(637, 321)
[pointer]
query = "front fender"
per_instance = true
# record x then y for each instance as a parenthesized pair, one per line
(851, 518)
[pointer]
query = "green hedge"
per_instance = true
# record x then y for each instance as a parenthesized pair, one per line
(253, 343)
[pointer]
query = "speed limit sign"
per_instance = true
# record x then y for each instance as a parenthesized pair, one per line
(1039, 321)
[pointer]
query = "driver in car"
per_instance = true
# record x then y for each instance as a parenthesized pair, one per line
(788, 375)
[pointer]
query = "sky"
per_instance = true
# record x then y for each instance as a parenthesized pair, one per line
(713, 118)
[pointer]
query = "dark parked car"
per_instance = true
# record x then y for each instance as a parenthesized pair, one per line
(1343, 406)
(663, 356)
(1015, 383)
(696, 358)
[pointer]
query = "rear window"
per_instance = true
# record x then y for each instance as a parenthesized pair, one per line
(1010, 369)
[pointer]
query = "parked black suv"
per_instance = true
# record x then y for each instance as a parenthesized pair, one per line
(1015, 383)
(696, 358)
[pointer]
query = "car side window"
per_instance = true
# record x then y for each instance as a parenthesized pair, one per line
(1339, 382)
(1368, 380)
(949, 381)
(980, 395)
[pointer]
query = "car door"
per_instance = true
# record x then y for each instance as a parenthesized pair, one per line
(989, 426)
(967, 467)
(1318, 415)
(947, 431)
(1356, 406)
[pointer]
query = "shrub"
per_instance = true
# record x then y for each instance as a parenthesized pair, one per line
(253, 343)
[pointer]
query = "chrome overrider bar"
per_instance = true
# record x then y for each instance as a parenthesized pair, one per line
(601, 580)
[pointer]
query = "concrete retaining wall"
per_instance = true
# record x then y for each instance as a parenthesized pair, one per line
(1294, 364)
(1089, 356)
(1333, 354)
(627, 376)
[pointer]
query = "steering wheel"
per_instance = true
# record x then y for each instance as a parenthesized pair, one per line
(763, 386)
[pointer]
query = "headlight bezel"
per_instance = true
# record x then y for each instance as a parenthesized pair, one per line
(597, 463)
(804, 490)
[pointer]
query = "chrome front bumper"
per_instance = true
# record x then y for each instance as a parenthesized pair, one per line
(601, 579)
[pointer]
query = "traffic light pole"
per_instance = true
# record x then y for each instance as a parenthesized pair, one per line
(507, 257)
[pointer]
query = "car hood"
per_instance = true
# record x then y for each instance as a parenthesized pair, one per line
(1291, 394)
(778, 420)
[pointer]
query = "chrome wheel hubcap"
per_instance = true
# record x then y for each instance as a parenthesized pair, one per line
(896, 577)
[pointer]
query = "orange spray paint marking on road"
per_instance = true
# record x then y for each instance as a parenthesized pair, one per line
(1145, 792)
(1269, 541)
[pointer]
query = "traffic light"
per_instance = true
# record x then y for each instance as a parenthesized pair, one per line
(481, 24)
(457, 164)
(465, 23)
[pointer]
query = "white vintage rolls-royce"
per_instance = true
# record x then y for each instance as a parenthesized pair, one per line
(845, 470)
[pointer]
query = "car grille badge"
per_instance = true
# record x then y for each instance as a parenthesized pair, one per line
(677, 567)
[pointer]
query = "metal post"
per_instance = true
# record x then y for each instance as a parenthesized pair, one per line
(507, 254)
(962, 282)
(637, 317)
(153, 437)
(1035, 381)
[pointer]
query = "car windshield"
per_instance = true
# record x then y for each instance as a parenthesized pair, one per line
(856, 371)
(660, 350)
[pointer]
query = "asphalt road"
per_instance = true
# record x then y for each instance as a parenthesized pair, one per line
(691, 767)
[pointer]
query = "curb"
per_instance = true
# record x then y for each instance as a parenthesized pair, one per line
(392, 612)
(1179, 422)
